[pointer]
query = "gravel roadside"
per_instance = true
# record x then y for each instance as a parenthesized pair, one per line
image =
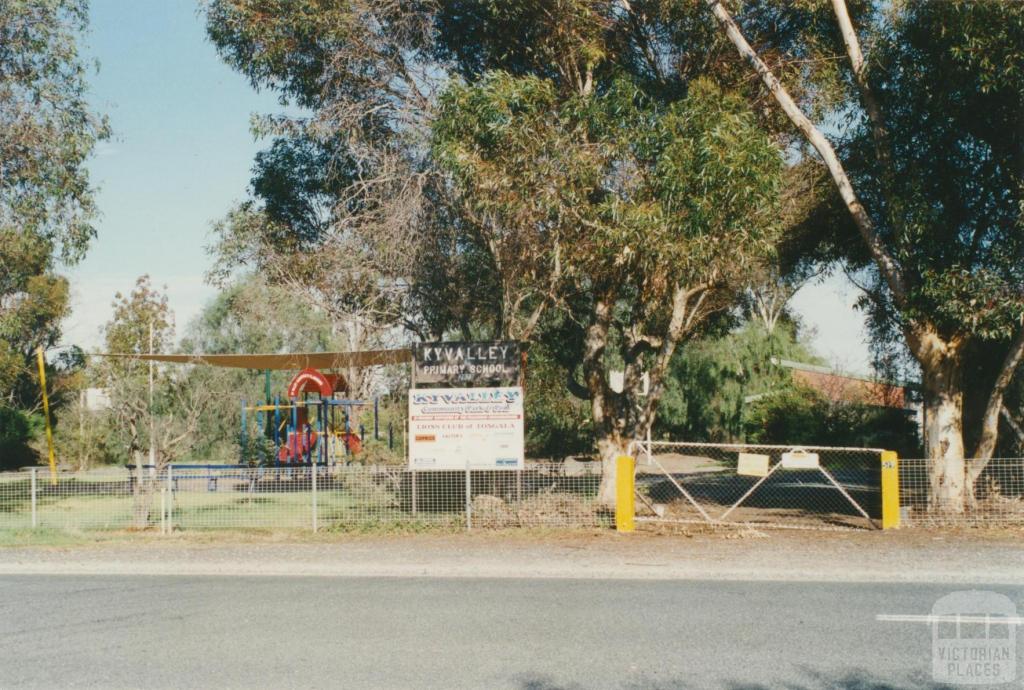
(902, 556)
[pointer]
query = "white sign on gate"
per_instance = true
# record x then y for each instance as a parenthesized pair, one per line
(450, 427)
(800, 459)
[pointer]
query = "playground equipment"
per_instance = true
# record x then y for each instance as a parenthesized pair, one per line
(304, 429)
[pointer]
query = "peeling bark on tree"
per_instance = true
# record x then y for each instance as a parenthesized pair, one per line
(1013, 424)
(610, 447)
(622, 417)
(943, 405)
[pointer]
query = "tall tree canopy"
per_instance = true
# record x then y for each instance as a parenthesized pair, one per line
(586, 173)
(47, 132)
(928, 158)
(353, 180)
(345, 181)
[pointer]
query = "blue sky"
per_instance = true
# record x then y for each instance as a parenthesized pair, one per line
(181, 156)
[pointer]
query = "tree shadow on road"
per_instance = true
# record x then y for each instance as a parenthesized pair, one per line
(857, 679)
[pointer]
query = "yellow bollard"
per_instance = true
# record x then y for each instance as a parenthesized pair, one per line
(625, 509)
(890, 490)
(46, 414)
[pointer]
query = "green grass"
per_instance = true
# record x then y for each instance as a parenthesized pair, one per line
(100, 506)
(219, 510)
(49, 536)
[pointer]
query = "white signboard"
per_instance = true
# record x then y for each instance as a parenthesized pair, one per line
(799, 459)
(753, 465)
(450, 427)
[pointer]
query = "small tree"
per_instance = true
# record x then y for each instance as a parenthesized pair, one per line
(714, 380)
(164, 415)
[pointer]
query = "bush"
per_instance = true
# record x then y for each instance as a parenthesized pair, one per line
(792, 415)
(801, 415)
(712, 379)
(557, 423)
(18, 430)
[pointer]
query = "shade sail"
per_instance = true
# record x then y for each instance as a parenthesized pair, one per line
(295, 361)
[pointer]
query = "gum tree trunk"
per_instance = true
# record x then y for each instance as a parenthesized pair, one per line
(941, 365)
(944, 439)
(624, 416)
(610, 447)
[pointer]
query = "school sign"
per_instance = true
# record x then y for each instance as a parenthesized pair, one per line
(477, 425)
(467, 364)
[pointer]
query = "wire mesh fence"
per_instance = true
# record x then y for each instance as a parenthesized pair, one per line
(764, 485)
(996, 497)
(95, 500)
(718, 484)
(304, 497)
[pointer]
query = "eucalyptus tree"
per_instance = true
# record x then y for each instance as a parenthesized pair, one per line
(349, 176)
(652, 214)
(929, 164)
(341, 196)
(160, 408)
(47, 132)
(559, 187)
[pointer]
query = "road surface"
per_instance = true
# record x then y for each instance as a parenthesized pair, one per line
(533, 634)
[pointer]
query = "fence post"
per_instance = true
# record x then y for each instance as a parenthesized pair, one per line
(469, 499)
(625, 508)
(313, 471)
(163, 510)
(35, 517)
(412, 481)
(243, 436)
(890, 490)
(170, 499)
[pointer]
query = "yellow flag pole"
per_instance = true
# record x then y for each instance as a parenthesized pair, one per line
(46, 412)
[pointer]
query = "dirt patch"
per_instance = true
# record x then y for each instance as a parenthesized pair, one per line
(546, 508)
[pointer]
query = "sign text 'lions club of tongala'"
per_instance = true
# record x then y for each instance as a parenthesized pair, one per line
(475, 364)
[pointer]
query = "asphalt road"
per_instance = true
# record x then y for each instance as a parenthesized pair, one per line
(536, 634)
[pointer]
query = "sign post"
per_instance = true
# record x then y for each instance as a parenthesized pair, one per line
(46, 415)
(469, 497)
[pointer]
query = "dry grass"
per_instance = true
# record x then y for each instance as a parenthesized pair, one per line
(545, 508)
